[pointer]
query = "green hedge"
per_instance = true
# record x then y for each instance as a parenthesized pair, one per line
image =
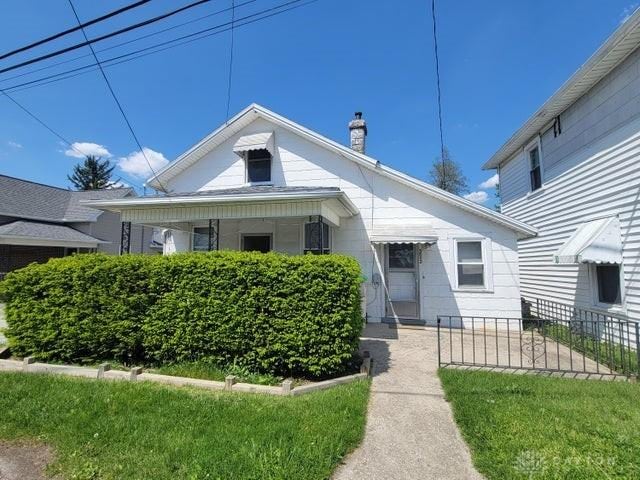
(272, 313)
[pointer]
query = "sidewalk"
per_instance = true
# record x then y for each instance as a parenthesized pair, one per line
(410, 431)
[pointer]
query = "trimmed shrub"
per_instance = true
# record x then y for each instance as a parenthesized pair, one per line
(271, 313)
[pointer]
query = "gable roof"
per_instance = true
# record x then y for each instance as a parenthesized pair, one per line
(611, 53)
(255, 111)
(36, 233)
(36, 201)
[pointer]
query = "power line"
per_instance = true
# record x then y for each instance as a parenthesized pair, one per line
(115, 98)
(133, 40)
(189, 38)
(103, 37)
(233, 17)
(49, 128)
(74, 29)
(435, 48)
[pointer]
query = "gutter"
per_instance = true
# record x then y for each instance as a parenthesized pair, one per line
(118, 205)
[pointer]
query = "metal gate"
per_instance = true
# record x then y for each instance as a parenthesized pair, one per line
(548, 339)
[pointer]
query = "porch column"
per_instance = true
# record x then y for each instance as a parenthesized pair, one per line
(214, 235)
(125, 238)
(321, 227)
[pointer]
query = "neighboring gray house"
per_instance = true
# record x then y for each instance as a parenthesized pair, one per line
(38, 222)
(573, 172)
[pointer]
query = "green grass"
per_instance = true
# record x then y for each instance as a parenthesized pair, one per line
(620, 358)
(535, 427)
(210, 371)
(115, 430)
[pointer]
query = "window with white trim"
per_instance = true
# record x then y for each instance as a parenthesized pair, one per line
(470, 268)
(535, 168)
(608, 285)
(258, 166)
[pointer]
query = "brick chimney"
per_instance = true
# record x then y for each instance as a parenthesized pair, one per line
(358, 132)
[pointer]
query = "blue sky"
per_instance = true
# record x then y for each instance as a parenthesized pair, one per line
(316, 65)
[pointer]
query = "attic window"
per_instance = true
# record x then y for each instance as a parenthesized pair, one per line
(258, 166)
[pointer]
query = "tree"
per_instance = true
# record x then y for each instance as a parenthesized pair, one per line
(92, 174)
(498, 198)
(446, 174)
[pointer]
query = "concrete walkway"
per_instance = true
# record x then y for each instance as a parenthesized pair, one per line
(410, 432)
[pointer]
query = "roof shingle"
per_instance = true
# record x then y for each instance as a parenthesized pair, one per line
(24, 199)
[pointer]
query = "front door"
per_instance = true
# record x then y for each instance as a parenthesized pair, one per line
(256, 242)
(403, 299)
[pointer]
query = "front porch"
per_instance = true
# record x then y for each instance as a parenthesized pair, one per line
(292, 220)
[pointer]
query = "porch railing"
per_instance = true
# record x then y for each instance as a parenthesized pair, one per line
(549, 337)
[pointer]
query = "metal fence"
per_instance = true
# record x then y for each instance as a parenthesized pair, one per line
(549, 337)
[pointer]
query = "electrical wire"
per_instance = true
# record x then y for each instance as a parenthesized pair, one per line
(435, 48)
(163, 46)
(133, 40)
(115, 98)
(73, 29)
(50, 129)
(233, 18)
(103, 37)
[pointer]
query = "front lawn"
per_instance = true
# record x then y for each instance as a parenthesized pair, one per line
(113, 430)
(212, 371)
(524, 426)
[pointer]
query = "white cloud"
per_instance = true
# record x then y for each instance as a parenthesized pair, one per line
(478, 197)
(628, 11)
(82, 149)
(136, 164)
(490, 182)
(14, 144)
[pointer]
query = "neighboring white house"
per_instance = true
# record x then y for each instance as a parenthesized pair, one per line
(573, 172)
(263, 182)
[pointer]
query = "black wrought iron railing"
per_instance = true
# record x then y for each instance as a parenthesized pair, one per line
(548, 337)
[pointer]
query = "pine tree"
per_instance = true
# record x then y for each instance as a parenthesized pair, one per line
(92, 174)
(446, 174)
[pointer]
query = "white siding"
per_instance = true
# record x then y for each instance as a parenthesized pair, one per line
(605, 181)
(590, 170)
(380, 200)
(514, 178)
(607, 107)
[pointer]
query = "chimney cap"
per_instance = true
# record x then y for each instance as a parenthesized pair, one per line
(358, 115)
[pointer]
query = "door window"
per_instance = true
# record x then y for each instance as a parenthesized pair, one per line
(256, 243)
(401, 255)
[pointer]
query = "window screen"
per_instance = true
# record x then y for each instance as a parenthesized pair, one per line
(258, 166)
(470, 264)
(608, 277)
(313, 236)
(200, 239)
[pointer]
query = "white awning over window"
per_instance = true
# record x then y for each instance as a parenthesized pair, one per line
(419, 234)
(598, 241)
(256, 141)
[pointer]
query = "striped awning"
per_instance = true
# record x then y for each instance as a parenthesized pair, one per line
(391, 233)
(256, 141)
(598, 241)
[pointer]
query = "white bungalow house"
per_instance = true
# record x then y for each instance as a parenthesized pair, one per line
(262, 182)
(572, 171)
